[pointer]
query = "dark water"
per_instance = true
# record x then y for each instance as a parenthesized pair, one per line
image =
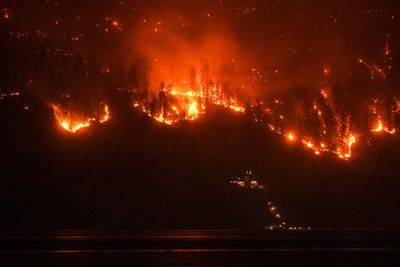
(202, 248)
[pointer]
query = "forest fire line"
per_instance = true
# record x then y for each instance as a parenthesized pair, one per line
(184, 106)
(383, 117)
(174, 105)
(381, 128)
(73, 122)
(168, 49)
(320, 128)
(343, 151)
(320, 135)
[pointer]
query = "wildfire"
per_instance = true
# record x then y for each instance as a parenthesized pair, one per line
(73, 122)
(184, 102)
(172, 106)
(346, 153)
(380, 128)
(342, 151)
(106, 115)
(381, 117)
(318, 137)
(175, 104)
(320, 126)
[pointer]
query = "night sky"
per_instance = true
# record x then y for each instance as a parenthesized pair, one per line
(138, 114)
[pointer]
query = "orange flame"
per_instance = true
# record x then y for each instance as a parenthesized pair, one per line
(291, 136)
(106, 115)
(380, 128)
(73, 123)
(187, 102)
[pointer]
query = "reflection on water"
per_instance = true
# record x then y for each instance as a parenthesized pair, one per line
(201, 248)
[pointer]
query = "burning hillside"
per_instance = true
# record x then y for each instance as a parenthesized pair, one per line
(327, 94)
(73, 121)
(315, 121)
(187, 102)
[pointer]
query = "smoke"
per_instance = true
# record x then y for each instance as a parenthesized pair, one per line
(176, 48)
(264, 51)
(273, 50)
(256, 50)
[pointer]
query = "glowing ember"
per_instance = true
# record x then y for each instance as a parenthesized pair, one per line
(291, 136)
(324, 93)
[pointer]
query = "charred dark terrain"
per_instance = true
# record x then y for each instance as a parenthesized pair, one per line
(159, 177)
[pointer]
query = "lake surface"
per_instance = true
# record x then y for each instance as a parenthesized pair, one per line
(201, 248)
